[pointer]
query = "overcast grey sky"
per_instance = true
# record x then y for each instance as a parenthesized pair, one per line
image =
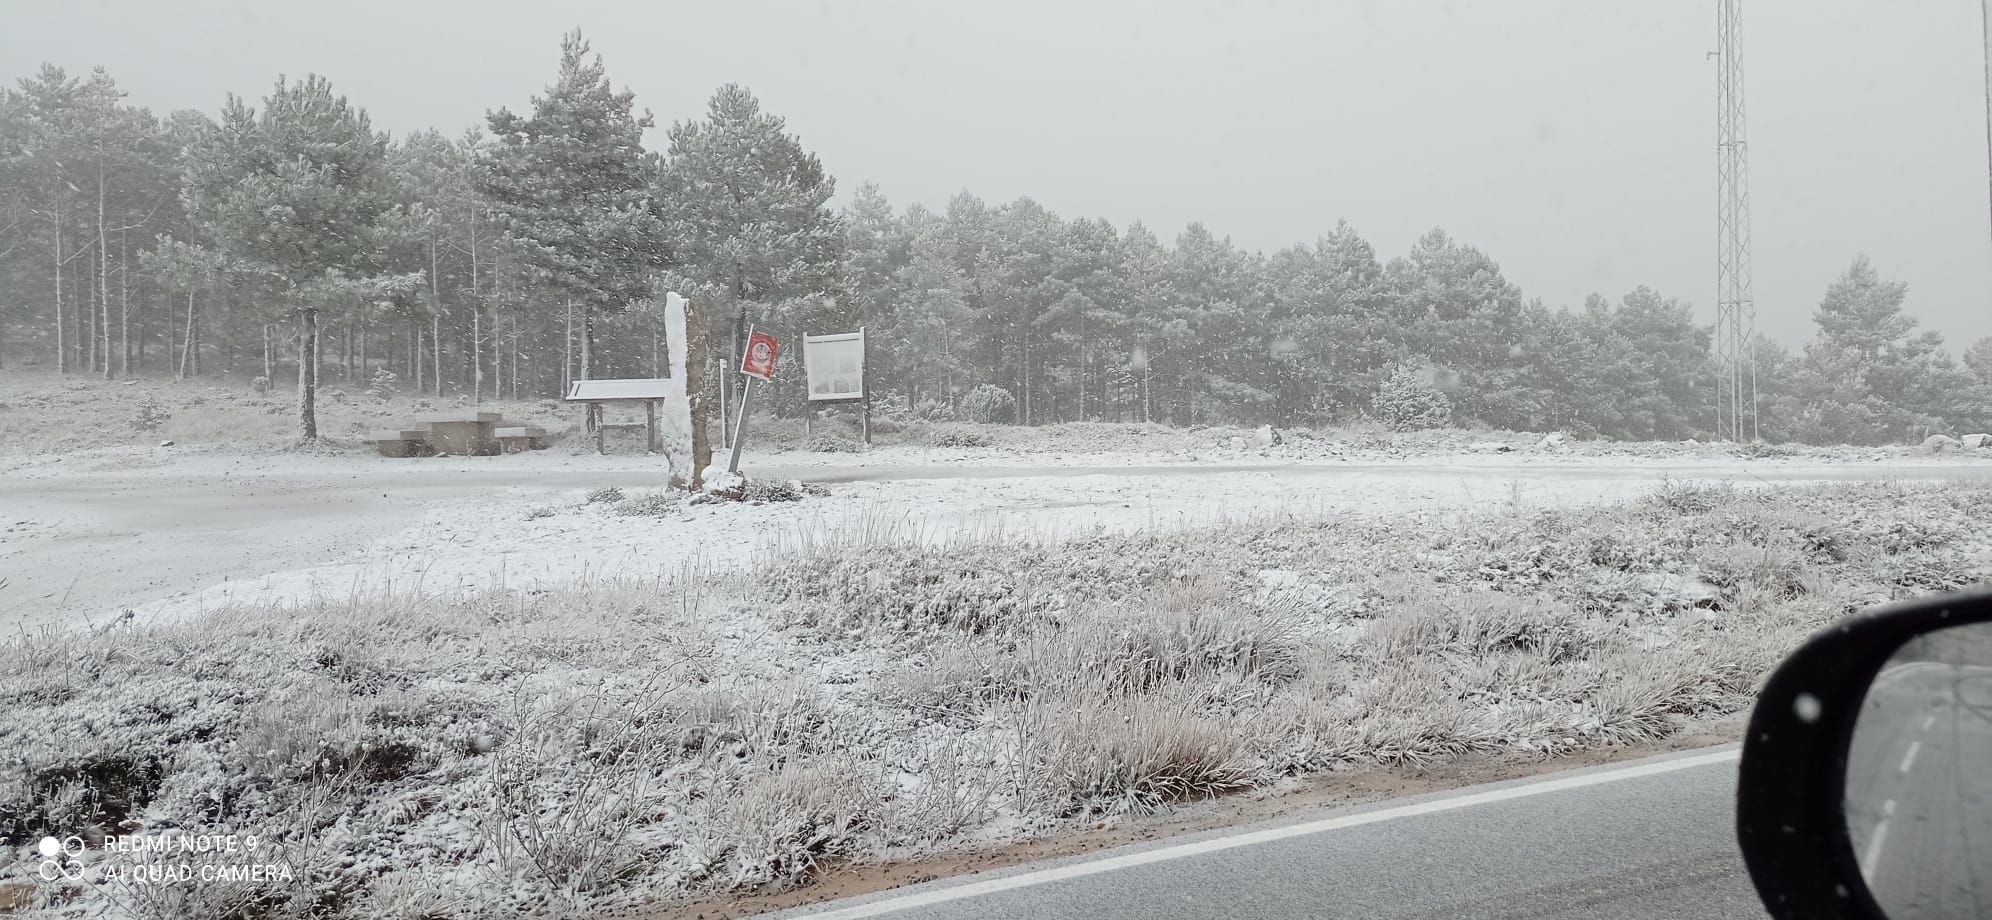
(1573, 140)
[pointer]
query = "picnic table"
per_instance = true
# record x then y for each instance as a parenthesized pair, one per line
(647, 391)
(465, 434)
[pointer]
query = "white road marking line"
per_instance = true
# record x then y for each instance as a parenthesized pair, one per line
(1909, 759)
(1269, 835)
(1873, 853)
(1928, 721)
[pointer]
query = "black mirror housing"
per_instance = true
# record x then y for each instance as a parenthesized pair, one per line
(1790, 812)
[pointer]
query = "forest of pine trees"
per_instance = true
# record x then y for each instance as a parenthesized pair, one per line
(286, 233)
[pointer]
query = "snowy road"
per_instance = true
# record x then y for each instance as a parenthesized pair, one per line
(167, 533)
(1648, 839)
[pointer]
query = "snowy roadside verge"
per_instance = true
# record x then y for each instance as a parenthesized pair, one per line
(620, 744)
(534, 541)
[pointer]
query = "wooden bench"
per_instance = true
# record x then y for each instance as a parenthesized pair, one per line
(412, 442)
(521, 437)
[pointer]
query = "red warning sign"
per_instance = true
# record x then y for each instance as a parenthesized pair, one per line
(759, 361)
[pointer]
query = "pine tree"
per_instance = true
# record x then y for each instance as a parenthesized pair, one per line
(1452, 304)
(1979, 359)
(573, 189)
(1327, 324)
(291, 200)
(748, 208)
(1866, 375)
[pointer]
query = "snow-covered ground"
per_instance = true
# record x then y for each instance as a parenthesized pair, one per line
(164, 533)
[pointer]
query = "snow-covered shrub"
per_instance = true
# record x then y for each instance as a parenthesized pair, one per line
(649, 504)
(1691, 497)
(1407, 400)
(934, 410)
(260, 385)
(958, 678)
(1141, 646)
(383, 385)
(1089, 751)
(150, 415)
(609, 494)
(832, 444)
(784, 824)
(958, 436)
(1760, 450)
(989, 404)
(757, 491)
(908, 590)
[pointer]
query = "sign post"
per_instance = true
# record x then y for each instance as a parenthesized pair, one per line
(725, 383)
(757, 364)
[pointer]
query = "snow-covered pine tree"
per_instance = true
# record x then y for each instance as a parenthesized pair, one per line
(292, 199)
(573, 189)
(748, 214)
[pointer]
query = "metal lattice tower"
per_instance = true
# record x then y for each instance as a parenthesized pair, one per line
(1985, 21)
(1736, 312)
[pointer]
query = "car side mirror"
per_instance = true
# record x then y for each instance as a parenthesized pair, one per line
(1865, 787)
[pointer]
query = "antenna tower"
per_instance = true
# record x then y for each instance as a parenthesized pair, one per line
(1736, 312)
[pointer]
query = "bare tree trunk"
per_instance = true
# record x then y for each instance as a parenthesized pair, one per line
(476, 325)
(567, 365)
(1026, 415)
(587, 341)
(187, 352)
(364, 377)
(436, 312)
(61, 347)
(694, 382)
(103, 279)
(436, 342)
(1147, 402)
(269, 370)
(124, 307)
(515, 359)
(307, 374)
(476, 356)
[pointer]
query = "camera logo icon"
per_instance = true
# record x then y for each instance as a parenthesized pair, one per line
(59, 859)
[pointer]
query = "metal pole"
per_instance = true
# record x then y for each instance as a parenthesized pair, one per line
(740, 425)
(726, 383)
(1985, 23)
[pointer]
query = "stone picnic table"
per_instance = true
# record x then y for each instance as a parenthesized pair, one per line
(463, 434)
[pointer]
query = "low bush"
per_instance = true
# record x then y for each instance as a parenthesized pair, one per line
(989, 404)
(959, 436)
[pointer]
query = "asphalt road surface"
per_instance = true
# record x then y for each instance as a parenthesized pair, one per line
(1647, 839)
(1919, 789)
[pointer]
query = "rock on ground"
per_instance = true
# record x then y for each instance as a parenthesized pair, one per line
(1942, 444)
(1977, 441)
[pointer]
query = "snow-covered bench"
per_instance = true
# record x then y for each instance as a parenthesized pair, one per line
(521, 437)
(411, 442)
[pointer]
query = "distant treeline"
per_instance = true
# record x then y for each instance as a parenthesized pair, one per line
(531, 250)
